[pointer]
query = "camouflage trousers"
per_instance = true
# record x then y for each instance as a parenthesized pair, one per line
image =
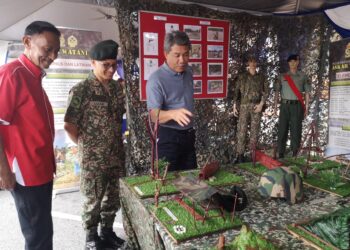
(246, 117)
(100, 190)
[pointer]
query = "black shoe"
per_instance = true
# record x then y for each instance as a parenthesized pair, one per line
(280, 156)
(110, 239)
(93, 242)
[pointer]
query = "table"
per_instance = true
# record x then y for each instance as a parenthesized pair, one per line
(267, 217)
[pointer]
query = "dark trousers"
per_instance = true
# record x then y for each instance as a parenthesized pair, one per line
(33, 206)
(290, 118)
(177, 147)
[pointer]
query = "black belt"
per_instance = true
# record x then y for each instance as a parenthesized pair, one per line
(290, 101)
(181, 131)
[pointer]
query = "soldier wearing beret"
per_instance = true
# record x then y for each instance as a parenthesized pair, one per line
(251, 92)
(93, 120)
(294, 88)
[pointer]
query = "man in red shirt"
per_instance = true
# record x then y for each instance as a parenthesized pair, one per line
(27, 162)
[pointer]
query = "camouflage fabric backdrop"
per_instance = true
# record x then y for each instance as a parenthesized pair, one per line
(272, 38)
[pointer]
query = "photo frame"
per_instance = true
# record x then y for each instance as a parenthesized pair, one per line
(196, 51)
(150, 65)
(215, 51)
(215, 34)
(215, 69)
(196, 68)
(215, 86)
(194, 32)
(150, 43)
(197, 86)
(171, 27)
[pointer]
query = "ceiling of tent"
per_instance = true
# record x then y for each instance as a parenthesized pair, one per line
(83, 14)
(290, 7)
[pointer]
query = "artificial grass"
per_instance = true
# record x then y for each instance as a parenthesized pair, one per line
(258, 169)
(134, 180)
(221, 178)
(315, 181)
(308, 237)
(148, 188)
(193, 228)
(301, 161)
(147, 185)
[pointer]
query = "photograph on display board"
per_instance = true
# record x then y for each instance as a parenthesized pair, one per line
(215, 69)
(197, 86)
(215, 86)
(150, 65)
(196, 51)
(150, 43)
(171, 27)
(193, 32)
(215, 34)
(215, 51)
(196, 68)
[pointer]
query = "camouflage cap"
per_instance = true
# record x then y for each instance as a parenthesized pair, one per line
(281, 183)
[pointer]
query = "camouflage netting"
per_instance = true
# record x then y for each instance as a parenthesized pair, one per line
(271, 38)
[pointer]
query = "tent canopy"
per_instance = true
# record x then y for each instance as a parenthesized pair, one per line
(335, 10)
(84, 14)
(290, 7)
(17, 14)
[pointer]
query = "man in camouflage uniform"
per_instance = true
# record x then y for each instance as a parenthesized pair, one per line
(93, 120)
(251, 91)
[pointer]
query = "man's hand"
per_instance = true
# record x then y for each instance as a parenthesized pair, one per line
(7, 179)
(258, 107)
(181, 116)
(235, 111)
(306, 113)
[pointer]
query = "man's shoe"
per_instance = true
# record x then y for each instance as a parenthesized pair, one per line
(93, 243)
(110, 239)
(280, 156)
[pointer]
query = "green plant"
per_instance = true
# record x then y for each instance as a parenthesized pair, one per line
(332, 178)
(248, 239)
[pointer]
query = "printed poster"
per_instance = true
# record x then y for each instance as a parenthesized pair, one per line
(339, 99)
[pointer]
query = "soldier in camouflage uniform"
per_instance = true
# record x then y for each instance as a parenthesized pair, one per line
(251, 91)
(93, 120)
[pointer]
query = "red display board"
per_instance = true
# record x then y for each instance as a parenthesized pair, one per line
(208, 57)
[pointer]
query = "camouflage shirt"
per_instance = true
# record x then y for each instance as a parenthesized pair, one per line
(98, 114)
(250, 88)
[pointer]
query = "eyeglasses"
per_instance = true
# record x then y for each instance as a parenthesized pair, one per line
(107, 66)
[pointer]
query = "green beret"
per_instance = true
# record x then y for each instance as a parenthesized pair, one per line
(107, 49)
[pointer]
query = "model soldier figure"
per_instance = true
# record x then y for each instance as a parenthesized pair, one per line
(251, 92)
